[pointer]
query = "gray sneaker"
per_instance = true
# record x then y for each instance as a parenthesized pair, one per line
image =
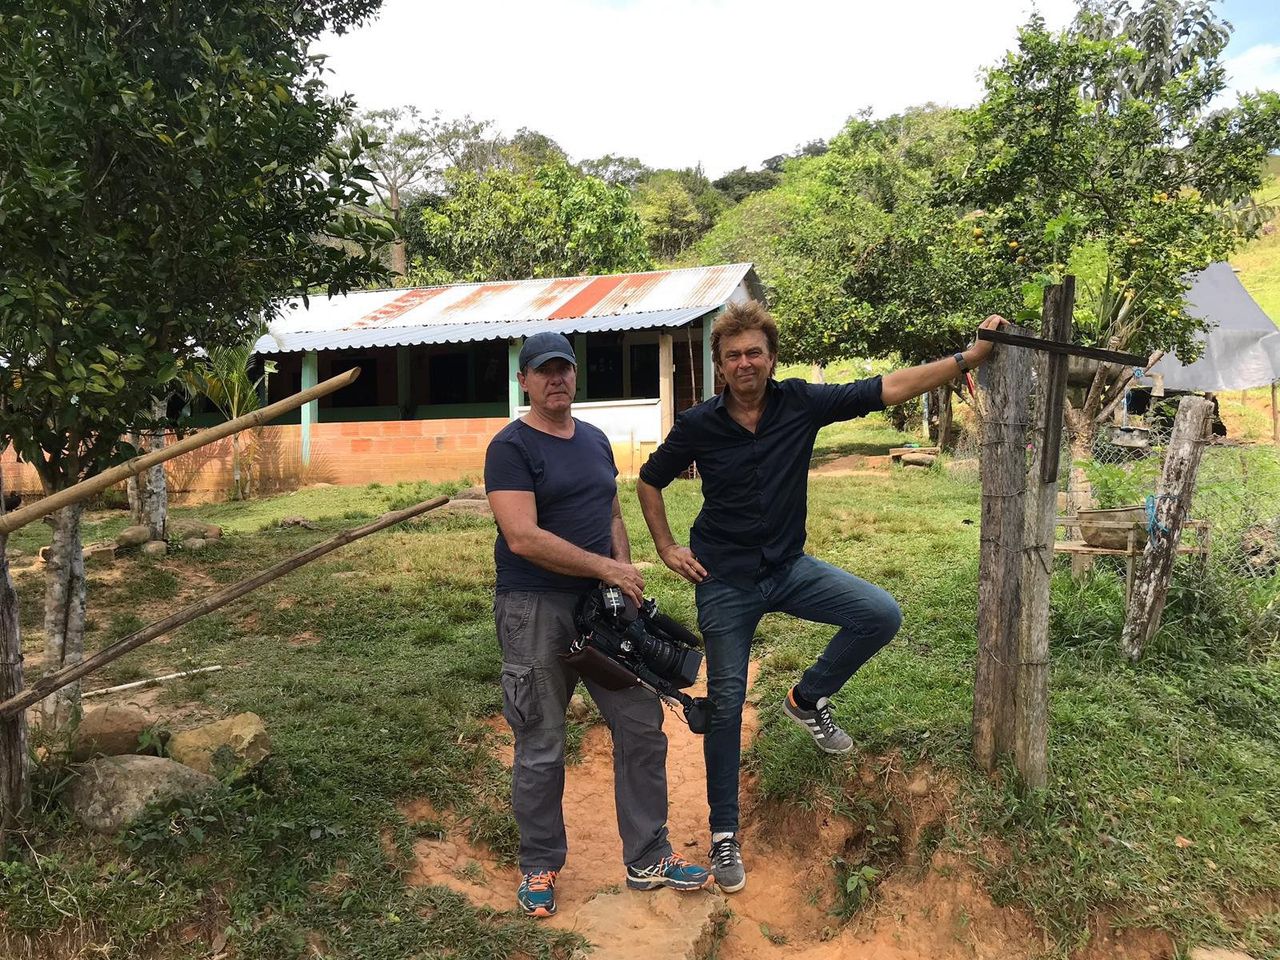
(819, 725)
(726, 865)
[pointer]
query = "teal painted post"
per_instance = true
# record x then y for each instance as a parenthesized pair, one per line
(708, 368)
(310, 410)
(580, 351)
(404, 395)
(514, 394)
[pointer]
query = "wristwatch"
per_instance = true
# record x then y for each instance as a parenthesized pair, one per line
(959, 359)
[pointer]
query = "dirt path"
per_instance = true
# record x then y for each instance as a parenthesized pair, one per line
(929, 911)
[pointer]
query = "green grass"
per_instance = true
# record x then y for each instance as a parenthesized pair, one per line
(389, 705)
(1259, 261)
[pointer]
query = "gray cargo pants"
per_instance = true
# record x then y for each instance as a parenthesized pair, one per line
(534, 629)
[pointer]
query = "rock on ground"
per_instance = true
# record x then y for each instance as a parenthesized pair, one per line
(134, 536)
(1217, 953)
(195, 544)
(193, 530)
(640, 925)
(108, 731)
(108, 794)
(579, 709)
(237, 744)
(155, 548)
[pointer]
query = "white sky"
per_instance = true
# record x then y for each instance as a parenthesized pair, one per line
(724, 83)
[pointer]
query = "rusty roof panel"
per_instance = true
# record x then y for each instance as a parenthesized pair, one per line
(488, 306)
(370, 337)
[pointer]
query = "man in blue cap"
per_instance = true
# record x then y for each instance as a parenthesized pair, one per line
(551, 481)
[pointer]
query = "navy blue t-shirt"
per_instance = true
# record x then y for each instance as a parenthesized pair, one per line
(573, 482)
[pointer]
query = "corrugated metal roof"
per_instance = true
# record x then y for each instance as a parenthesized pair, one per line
(513, 308)
(471, 332)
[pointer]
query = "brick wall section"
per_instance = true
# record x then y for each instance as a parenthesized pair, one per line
(18, 477)
(341, 453)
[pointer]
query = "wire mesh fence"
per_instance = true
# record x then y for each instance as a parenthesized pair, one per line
(1230, 588)
(1237, 499)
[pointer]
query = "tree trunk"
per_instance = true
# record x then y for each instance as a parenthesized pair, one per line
(64, 601)
(1170, 507)
(399, 258)
(155, 490)
(1002, 404)
(932, 415)
(945, 419)
(15, 785)
(818, 374)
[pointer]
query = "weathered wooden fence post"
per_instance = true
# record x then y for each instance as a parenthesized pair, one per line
(1002, 403)
(1011, 692)
(1031, 735)
(1166, 512)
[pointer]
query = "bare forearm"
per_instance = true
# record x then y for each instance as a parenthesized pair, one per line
(558, 555)
(655, 515)
(621, 542)
(901, 385)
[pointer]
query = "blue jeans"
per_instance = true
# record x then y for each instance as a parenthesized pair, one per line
(728, 615)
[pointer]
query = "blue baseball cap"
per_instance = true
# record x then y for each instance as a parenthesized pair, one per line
(542, 347)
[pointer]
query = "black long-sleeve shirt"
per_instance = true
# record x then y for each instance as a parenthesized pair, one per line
(755, 485)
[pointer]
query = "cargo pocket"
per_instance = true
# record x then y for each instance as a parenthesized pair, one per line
(519, 695)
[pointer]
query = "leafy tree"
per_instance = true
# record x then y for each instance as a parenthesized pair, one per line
(529, 150)
(874, 267)
(166, 177)
(615, 170)
(506, 225)
(1090, 157)
(737, 185)
(405, 150)
(677, 207)
(1170, 37)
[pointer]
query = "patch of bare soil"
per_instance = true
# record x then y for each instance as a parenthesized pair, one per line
(930, 906)
(856, 464)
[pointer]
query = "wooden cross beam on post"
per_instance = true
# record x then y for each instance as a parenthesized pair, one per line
(1019, 503)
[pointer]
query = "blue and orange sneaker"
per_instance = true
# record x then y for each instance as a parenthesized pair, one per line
(671, 871)
(537, 893)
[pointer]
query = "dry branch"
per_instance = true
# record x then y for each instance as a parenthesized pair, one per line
(55, 681)
(151, 682)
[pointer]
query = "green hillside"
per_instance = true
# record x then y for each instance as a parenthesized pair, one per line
(1259, 262)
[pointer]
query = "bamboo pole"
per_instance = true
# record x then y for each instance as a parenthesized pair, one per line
(96, 484)
(55, 681)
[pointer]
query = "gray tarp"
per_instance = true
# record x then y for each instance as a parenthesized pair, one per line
(1242, 345)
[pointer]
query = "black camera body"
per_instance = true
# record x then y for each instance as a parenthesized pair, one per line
(620, 645)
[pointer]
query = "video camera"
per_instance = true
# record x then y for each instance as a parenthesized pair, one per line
(620, 646)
